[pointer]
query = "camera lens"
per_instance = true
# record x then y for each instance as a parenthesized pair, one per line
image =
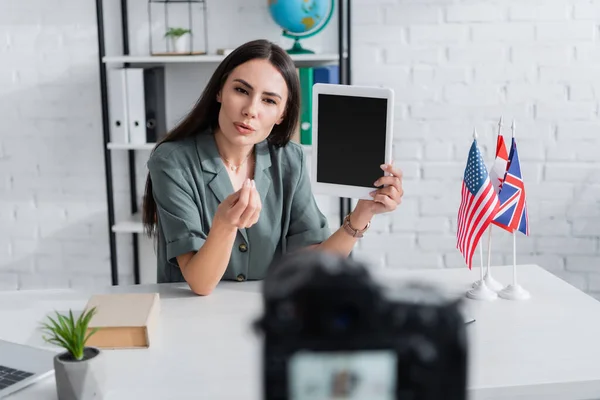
(344, 317)
(285, 311)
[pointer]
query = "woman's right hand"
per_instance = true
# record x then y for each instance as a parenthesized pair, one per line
(240, 209)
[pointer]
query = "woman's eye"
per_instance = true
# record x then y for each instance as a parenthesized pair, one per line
(270, 101)
(241, 90)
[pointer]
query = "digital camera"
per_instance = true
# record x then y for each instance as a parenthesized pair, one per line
(330, 332)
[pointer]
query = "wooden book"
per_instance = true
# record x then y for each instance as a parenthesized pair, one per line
(124, 321)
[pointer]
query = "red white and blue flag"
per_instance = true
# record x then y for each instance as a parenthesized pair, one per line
(512, 214)
(498, 169)
(479, 204)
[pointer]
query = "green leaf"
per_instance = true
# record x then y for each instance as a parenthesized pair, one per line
(92, 331)
(65, 330)
(71, 320)
(56, 329)
(80, 318)
(59, 342)
(176, 32)
(88, 318)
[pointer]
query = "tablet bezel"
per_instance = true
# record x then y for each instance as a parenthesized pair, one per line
(338, 190)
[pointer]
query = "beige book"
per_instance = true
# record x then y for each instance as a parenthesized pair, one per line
(125, 321)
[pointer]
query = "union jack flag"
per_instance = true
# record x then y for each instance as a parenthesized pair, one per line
(512, 214)
(479, 204)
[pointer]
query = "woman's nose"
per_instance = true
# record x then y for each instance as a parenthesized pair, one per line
(250, 109)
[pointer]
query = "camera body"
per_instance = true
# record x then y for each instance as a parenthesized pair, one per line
(330, 332)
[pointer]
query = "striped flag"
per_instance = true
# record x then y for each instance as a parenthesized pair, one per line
(512, 214)
(498, 169)
(479, 204)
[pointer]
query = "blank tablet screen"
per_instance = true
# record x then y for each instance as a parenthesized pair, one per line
(351, 139)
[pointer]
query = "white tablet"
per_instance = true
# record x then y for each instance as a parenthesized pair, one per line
(351, 138)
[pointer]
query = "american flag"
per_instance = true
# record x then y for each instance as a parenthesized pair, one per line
(479, 204)
(512, 214)
(500, 164)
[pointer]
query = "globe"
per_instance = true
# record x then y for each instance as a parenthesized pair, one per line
(301, 19)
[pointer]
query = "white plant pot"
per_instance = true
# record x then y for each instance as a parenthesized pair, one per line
(80, 380)
(181, 44)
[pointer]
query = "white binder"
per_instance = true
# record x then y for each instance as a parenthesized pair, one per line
(136, 106)
(117, 95)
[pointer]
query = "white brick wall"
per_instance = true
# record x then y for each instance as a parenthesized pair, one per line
(53, 224)
(453, 65)
(463, 65)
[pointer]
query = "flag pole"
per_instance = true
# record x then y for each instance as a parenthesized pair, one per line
(514, 291)
(492, 283)
(514, 258)
(489, 280)
(481, 264)
(477, 283)
(480, 291)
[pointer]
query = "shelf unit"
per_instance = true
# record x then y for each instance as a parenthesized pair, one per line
(130, 146)
(133, 224)
(301, 60)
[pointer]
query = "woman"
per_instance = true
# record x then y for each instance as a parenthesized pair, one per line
(227, 191)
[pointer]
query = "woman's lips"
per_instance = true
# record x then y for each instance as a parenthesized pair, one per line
(243, 128)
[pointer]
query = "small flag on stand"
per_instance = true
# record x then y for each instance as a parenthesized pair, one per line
(512, 214)
(479, 204)
(500, 164)
(497, 172)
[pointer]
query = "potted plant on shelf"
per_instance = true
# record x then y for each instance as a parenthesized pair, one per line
(79, 370)
(180, 39)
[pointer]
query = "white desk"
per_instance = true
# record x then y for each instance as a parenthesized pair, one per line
(546, 348)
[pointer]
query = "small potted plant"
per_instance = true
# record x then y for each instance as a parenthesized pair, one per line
(79, 370)
(180, 39)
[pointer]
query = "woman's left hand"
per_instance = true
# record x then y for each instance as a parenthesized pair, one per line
(388, 197)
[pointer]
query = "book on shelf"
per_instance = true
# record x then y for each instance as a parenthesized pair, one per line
(308, 76)
(137, 105)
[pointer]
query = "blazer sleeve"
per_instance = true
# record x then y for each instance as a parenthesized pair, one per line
(308, 225)
(179, 216)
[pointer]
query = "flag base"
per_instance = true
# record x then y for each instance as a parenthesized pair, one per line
(482, 292)
(514, 292)
(492, 284)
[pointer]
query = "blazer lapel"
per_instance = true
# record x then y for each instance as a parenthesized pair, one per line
(262, 173)
(216, 174)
